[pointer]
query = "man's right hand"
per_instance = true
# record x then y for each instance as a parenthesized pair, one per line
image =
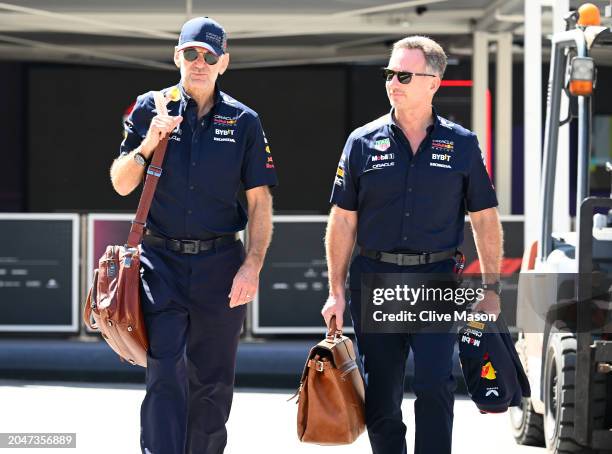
(334, 306)
(161, 125)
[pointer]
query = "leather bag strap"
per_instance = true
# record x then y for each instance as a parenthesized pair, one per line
(152, 175)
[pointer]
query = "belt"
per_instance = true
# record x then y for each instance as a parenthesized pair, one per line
(408, 259)
(189, 246)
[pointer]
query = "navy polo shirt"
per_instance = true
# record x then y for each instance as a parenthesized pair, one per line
(407, 202)
(207, 162)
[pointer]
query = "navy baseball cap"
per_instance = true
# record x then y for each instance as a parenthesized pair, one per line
(203, 32)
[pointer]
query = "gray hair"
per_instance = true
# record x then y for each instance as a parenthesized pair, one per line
(435, 58)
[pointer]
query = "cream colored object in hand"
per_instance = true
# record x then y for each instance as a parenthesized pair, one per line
(160, 103)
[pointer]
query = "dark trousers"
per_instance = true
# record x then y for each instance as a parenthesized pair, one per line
(384, 359)
(193, 336)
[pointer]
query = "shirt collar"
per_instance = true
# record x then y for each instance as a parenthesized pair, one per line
(185, 98)
(430, 129)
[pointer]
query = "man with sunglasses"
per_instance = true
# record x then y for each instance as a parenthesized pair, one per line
(401, 191)
(196, 276)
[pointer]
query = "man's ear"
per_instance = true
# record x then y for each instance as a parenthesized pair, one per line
(435, 84)
(224, 62)
(177, 58)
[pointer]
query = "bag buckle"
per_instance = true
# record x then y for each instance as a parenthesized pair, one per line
(319, 366)
(127, 258)
(190, 246)
(154, 170)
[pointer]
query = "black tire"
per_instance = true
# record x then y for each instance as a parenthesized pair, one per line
(559, 396)
(527, 425)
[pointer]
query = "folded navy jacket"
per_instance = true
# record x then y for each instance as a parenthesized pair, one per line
(491, 367)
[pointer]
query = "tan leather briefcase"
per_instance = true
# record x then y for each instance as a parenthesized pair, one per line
(331, 394)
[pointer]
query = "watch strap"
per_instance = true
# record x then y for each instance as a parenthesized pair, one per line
(494, 286)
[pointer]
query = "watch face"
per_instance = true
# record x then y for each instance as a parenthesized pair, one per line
(140, 159)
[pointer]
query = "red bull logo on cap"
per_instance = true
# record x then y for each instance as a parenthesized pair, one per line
(488, 372)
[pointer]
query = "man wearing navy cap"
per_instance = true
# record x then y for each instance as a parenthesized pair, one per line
(401, 191)
(196, 275)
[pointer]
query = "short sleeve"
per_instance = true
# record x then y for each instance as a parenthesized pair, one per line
(135, 127)
(258, 165)
(344, 191)
(480, 193)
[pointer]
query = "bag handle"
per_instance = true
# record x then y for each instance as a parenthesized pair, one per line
(332, 331)
(153, 172)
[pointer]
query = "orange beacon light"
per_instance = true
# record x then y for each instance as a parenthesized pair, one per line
(588, 14)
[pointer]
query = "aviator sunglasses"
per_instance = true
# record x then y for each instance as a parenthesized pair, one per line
(404, 77)
(191, 54)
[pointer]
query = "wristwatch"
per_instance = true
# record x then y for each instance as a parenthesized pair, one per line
(494, 287)
(140, 159)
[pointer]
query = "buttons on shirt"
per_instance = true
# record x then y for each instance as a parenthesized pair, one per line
(407, 214)
(409, 189)
(189, 212)
(192, 187)
(193, 164)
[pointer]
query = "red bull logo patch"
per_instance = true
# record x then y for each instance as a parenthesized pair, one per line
(224, 120)
(443, 145)
(488, 372)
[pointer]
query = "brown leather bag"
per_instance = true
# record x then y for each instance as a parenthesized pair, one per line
(331, 395)
(113, 302)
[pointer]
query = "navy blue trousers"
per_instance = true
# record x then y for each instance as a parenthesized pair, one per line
(384, 358)
(193, 336)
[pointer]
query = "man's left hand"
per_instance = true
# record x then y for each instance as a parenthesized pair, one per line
(245, 285)
(490, 304)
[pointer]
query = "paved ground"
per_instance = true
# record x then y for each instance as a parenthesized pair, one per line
(105, 418)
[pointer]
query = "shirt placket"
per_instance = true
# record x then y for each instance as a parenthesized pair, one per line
(192, 171)
(410, 184)
(407, 212)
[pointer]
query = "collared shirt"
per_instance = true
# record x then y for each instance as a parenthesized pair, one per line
(207, 162)
(411, 202)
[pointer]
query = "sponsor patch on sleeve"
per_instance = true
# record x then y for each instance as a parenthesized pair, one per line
(339, 180)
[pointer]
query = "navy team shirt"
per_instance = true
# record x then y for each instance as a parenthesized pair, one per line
(411, 202)
(207, 163)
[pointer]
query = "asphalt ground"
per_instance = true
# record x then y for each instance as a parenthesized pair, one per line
(105, 418)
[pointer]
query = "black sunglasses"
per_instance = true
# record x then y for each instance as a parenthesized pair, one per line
(404, 77)
(191, 54)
